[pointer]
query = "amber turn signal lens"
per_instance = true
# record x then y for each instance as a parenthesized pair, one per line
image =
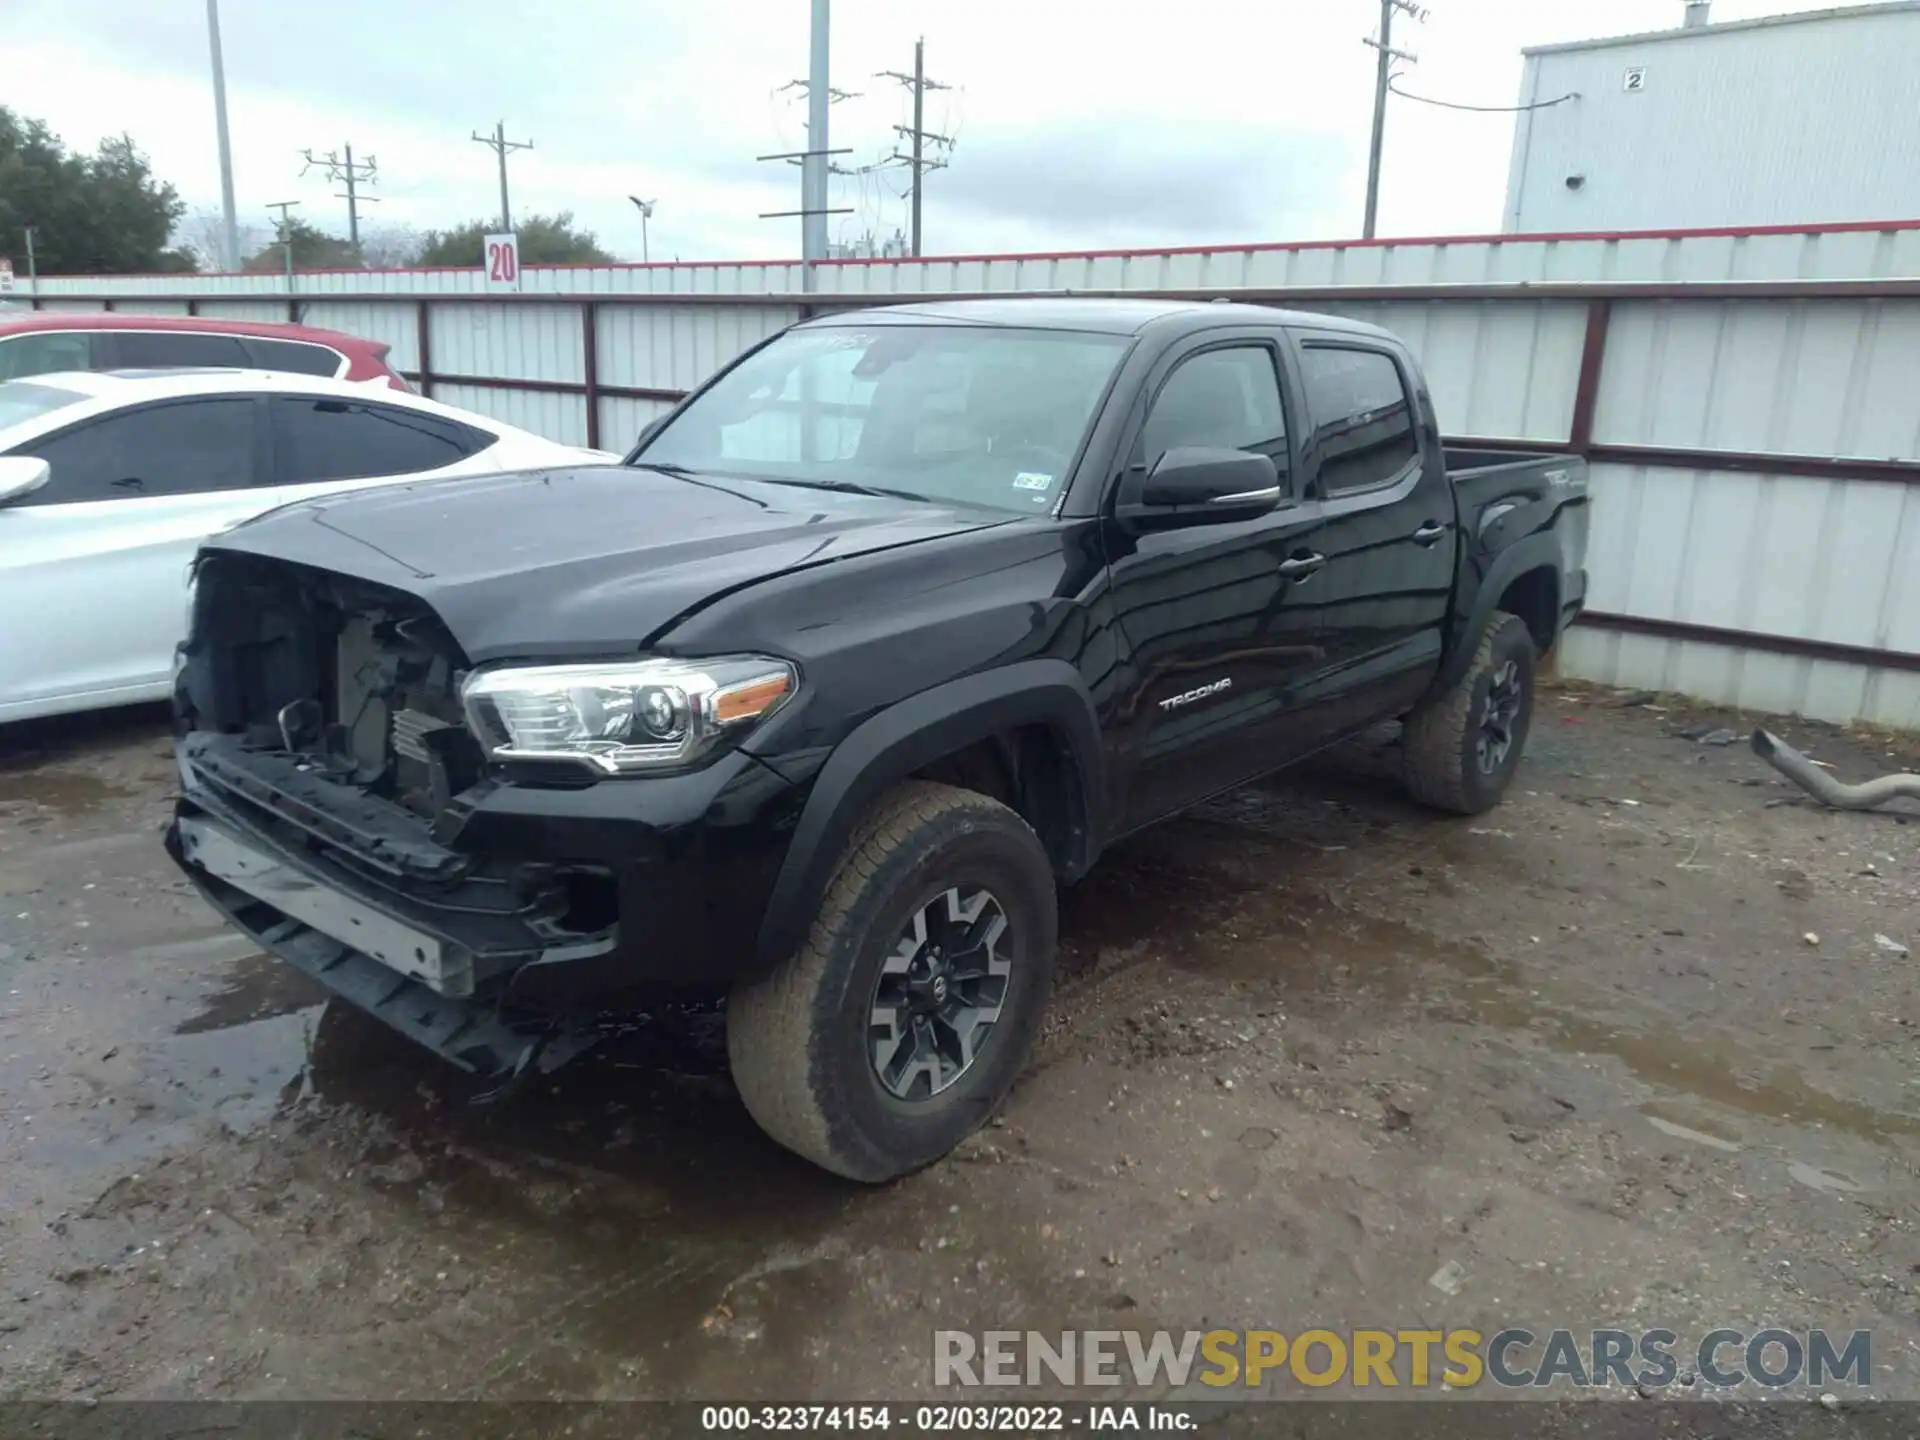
(743, 702)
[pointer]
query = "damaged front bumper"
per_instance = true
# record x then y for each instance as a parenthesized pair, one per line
(250, 887)
(504, 933)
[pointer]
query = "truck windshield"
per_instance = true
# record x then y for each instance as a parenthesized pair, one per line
(973, 415)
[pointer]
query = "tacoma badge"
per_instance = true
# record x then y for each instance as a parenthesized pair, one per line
(1218, 687)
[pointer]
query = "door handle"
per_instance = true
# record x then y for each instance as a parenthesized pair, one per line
(1299, 567)
(1429, 533)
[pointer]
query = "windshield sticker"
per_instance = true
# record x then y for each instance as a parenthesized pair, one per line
(1032, 480)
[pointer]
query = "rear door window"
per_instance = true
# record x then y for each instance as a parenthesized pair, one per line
(296, 357)
(316, 439)
(1363, 425)
(161, 349)
(183, 448)
(44, 353)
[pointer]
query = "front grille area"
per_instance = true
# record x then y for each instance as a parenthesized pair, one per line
(395, 709)
(412, 734)
(358, 682)
(433, 760)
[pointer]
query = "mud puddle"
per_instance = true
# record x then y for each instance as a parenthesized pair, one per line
(63, 793)
(1300, 949)
(116, 1109)
(1709, 1067)
(679, 1230)
(239, 1076)
(645, 1227)
(258, 987)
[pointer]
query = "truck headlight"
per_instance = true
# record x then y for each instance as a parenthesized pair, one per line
(621, 718)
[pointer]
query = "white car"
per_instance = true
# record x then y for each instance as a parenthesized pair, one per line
(110, 481)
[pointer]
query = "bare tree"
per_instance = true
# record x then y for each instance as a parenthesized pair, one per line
(389, 247)
(204, 234)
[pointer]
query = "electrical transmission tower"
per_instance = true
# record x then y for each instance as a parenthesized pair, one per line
(354, 174)
(917, 135)
(502, 147)
(1381, 84)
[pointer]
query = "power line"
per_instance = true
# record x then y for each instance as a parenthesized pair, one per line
(353, 174)
(502, 147)
(917, 134)
(834, 93)
(1485, 109)
(1382, 83)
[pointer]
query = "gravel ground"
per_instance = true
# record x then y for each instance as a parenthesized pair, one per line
(1624, 1052)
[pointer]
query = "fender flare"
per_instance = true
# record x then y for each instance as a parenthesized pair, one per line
(888, 747)
(1535, 552)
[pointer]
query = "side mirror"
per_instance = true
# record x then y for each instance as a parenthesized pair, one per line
(649, 430)
(22, 475)
(1197, 485)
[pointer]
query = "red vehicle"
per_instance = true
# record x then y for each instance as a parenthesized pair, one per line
(42, 343)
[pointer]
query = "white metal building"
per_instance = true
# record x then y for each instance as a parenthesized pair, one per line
(1797, 119)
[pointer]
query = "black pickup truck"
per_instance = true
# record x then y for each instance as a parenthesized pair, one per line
(897, 622)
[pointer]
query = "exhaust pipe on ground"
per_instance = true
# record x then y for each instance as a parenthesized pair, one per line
(1869, 795)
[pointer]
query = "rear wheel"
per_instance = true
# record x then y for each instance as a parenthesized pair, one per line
(904, 1019)
(1460, 752)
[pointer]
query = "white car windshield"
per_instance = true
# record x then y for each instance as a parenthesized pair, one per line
(966, 414)
(22, 400)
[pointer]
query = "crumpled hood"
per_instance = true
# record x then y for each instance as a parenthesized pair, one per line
(590, 561)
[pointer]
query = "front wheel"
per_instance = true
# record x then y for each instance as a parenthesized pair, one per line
(904, 1019)
(1460, 752)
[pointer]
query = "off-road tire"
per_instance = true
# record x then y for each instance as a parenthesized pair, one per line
(798, 1040)
(1439, 755)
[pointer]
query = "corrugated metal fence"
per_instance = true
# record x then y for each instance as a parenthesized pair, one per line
(1745, 398)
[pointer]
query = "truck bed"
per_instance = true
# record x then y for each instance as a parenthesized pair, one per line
(1465, 464)
(1482, 479)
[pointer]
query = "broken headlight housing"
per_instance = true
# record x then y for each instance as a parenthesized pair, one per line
(627, 717)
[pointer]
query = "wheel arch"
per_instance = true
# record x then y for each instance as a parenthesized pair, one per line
(1033, 706)
(1525, 574)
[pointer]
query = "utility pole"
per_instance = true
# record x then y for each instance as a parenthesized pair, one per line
(815, 160)
(917, 136)
(231, 231)
(501, 146)
(813, 165)
(33, 266)
(1381, 79)
(347, 170)
(284, 228)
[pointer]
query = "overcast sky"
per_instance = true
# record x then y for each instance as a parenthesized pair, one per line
(1078, 123)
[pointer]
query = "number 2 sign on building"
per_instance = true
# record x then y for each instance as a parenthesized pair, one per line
(500, 259)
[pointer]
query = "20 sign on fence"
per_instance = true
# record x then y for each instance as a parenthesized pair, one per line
(500, 259)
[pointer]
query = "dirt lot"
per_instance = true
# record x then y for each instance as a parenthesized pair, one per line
(1310, 1047)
